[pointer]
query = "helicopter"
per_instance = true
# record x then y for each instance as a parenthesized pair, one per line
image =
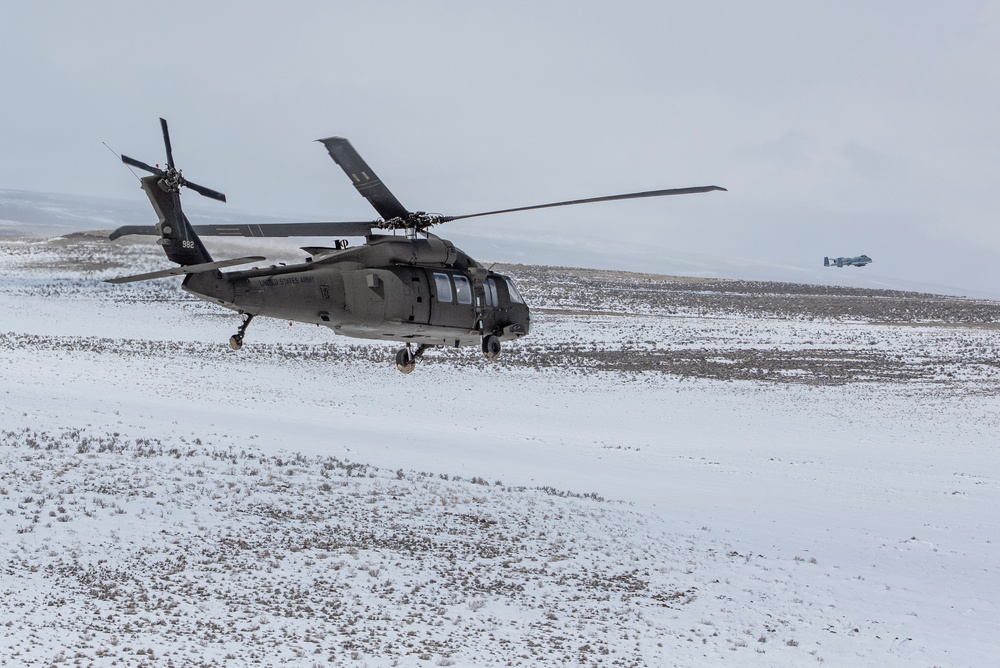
(403, 284)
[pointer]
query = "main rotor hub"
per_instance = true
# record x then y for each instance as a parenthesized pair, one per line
(415, 221)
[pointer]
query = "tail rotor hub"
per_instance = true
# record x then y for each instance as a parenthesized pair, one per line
(171, 178)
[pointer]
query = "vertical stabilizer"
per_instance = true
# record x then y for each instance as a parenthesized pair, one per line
(163, 188)
(178, 238)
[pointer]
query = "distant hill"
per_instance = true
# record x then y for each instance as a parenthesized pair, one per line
(34, 214)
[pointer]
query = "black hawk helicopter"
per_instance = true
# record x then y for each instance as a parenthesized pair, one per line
(414, 287)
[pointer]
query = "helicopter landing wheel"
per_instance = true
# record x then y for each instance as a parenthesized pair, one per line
(406, 362)
(235, 342)
(491, 347)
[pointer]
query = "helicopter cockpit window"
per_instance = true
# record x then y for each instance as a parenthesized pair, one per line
(442, 286)
(492, 299)
(463, 290)
(515, 296)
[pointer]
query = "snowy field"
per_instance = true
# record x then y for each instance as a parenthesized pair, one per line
(666, 472)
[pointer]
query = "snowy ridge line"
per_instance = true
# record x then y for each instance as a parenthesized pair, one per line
(810, 366)
(628, 293)
(154, 347)
(95, 258)
(797, 365)
(154, 551)
(697, 284)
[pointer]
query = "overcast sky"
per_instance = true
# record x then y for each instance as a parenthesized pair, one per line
(839, 128)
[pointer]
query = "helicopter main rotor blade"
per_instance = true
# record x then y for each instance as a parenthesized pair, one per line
(166, 142)
(141, 165)
(364, 179)
(207, 192)
(321, 229)
(608, 198)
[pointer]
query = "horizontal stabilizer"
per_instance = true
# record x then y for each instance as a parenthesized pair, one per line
(188, 269)
(126, 230)
(323, 229)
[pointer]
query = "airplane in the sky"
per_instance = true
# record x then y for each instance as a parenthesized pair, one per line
(858, 261)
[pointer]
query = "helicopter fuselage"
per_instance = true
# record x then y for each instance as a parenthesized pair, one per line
(415, 288)
(393, 288)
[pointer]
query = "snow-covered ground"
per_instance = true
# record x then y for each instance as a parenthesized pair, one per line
(658, 475)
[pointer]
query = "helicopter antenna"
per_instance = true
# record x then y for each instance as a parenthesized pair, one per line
(115, 153)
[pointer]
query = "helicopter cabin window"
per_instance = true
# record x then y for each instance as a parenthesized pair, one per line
(515, 296)
(463, 290)
(492, 299)
(442, 285)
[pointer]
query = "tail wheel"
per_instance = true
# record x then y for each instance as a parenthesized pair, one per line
(491, 347)
(405, 360)
(236, 340)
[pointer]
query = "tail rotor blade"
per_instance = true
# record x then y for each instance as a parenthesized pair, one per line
(141, 165)
(207, 192)
(166, 142)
